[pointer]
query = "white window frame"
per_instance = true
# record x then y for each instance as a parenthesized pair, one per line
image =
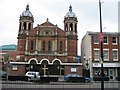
(116, 41)
(98, 53)
(94, 38)
(117, 55)
(14, 67)
(107, 40)
(108, 54)
(73, 69)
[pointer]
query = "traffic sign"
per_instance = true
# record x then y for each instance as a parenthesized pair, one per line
(100, 37)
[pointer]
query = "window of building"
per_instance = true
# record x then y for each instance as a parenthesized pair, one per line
(105, 39)
(106, 55)
(49, 46)
(24, 24)
(61, 45)
(115, 55)
(29, 26)
(114, 40)
(95, 38)
(71, 27)
(43, 45)
(66, 27)
(31, 45)
(96, 55)
(15, 67)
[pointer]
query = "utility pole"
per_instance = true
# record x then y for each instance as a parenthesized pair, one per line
(101, 48)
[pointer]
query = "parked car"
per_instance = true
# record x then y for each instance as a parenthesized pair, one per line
(3, 75)
(76, 77)
(33, 76)
(87, 79)
(67, 76)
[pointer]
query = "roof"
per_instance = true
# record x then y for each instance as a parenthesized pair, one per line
(47, 29)
(70, 13)
(8, 47)
(27, 12)
(105, 33)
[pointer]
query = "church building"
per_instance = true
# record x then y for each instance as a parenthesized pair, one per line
(46, 48)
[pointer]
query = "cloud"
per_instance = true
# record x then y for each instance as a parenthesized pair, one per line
(87, 13)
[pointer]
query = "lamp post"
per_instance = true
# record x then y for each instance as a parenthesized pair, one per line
(101, 47)
(87, 64)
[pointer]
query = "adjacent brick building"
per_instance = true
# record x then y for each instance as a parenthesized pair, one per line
(46, 48)
(90, 49)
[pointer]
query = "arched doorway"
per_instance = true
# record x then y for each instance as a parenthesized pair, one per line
(44, 70)
(33, 66)
(55, 70)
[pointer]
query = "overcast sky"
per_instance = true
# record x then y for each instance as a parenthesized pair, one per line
(87, 12)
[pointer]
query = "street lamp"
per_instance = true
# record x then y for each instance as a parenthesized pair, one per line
(87, 64)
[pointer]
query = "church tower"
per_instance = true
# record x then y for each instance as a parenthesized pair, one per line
(70, 22)
(25, 25)
(70, 27)
(26, 21)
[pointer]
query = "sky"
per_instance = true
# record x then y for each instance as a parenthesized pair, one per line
(87, 12)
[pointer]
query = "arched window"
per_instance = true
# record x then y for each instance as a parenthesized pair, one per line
(61, 45)
(71, 27)
(43, 45)
(49, 46)
(66, 27)
(24, 24)
(20, 26)
(31, 45)
(29, 26)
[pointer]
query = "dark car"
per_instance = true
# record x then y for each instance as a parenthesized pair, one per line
(76, 78)
(67, 76)
(87, 79)
(3, 75)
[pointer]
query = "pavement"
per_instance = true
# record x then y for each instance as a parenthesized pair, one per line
(60, 84)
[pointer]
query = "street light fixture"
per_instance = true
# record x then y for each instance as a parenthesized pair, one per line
(87, 66)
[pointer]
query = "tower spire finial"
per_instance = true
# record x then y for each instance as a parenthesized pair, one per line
(27, 7)
(47, 20)
(70, 8)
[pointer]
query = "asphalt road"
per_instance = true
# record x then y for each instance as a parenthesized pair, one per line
(21, 85)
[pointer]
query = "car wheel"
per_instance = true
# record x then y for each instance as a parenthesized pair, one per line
(86, 81)
(29, 79)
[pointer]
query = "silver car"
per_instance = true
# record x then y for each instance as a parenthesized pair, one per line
(33, 76)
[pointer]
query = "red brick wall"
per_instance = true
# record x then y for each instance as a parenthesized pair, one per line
(109, 46)
(19, 72)
(68, 70)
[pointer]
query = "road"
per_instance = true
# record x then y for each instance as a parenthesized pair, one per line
(21, 85)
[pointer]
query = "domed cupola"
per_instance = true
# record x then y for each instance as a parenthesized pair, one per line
(70, 13)
(70, 22)
(27, 12)
(26, 21)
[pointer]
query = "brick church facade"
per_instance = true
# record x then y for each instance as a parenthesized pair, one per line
(46, 48)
